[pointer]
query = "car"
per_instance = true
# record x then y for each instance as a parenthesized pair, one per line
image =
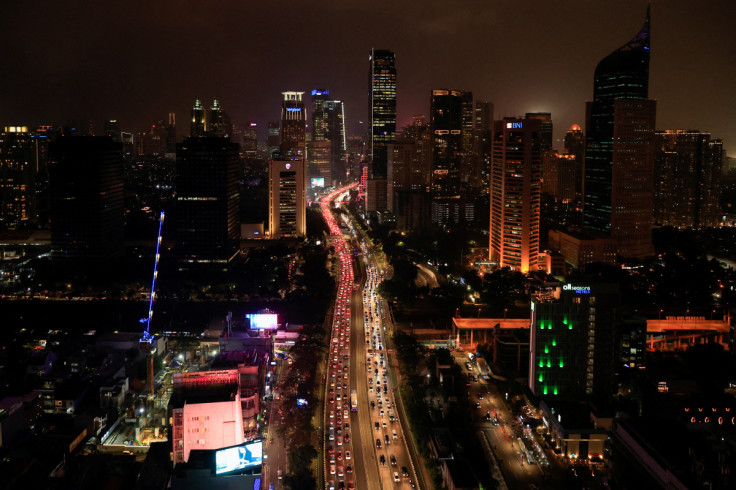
(378, 443)
(332, 469)
(386, 439)
(340, 471)
(348, 469)
(383, 460)
(405, 471)
(330, 485)
(384, 424)
(377, 425)
(339, 455)
(393, 460)
(396, 477)
(347, 455)
(395, 435)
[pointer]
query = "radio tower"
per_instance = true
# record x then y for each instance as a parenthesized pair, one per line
(146, 342)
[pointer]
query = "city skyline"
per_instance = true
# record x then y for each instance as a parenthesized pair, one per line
(119, 65)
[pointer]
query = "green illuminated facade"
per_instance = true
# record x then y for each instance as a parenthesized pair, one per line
(572, 341)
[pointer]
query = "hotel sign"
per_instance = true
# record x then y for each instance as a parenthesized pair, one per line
(577, 289)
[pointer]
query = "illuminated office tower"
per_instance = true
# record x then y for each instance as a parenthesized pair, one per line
(273, 140)
(18, 168)
(287, 202)
(207, 201)
(382, 99)
(448, 113)
(688, 179)
(573, 342)
(547, 128)
(86, 199)
(293, 127)
(619, 155)
(575, 145)
(199, 122)
(250, 140)
(515, 193)
(320, 161)
(217, 124)
(328, 124)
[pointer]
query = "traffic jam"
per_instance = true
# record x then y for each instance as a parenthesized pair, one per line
(340, 401)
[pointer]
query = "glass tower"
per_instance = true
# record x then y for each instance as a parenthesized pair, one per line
(382, 98)
(624, 74)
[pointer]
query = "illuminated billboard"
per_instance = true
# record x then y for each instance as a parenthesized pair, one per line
(318, 181)
(263, 321)
(240, 457)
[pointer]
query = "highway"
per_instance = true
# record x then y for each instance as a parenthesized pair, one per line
(363, 448)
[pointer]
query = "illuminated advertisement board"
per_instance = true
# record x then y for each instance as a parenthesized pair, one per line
(263, 321)
(240, 457)
(318, 181)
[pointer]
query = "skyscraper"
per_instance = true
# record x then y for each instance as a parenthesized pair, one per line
(319, 121)
(199, 122)
(515, 193)
(559, 172)
(17, 177)
(273, 139)
(382, 100)
(293, 127)
(575, 145)
(449, 115)
(171, 135)
(547, 128)
(619, 148)
(250, 140)
(688, 179)
(482, 140)
(86, 193)
(287, 199)
(328, 124)
(207, 201)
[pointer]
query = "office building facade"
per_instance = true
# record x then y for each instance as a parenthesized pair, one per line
(199, 120)
(688, 179)
(382, 112)
(287, 202)
(547, 128)
(207, 201)
(515, 194)
(293, 127)
(619, 155)
(18, 169)
(86, 200)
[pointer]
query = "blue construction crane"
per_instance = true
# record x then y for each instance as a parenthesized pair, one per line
(147, 337)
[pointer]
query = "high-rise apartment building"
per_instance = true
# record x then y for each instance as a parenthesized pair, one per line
(515, 193)
(619, 147)
(573, 341)
(293, 127)
(287, 202)
(687, 173)
(382, 99)
(199, 120)
(547, 128)
(86, 200)
(207, 201)
(18, 168)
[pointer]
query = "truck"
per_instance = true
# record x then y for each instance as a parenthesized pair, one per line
(354, 400)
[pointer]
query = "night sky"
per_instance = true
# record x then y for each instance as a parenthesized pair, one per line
(137, 60)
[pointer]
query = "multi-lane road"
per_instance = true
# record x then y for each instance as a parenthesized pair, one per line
(364, 444)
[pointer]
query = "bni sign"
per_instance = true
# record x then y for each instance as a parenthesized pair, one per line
(516, 125)
(577, 289)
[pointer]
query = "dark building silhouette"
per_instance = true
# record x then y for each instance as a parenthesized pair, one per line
(171, 134)
(687, 179)
(199, 120)
(483, 137)
(547, 128)
(86, 199)
(18, 169)
(273, 139)
(619, 154)
(575, 145)
(449, 112)
(207, 201)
